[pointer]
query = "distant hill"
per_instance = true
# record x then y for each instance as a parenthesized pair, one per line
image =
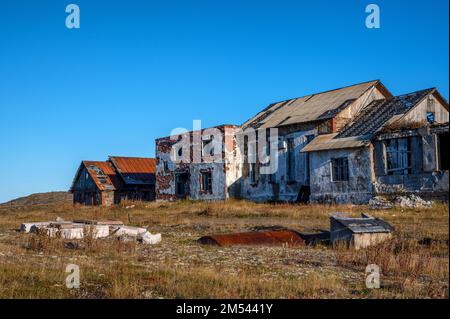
(40, 199)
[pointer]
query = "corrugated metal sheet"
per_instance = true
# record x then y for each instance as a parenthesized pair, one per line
(103, 175)
(272, 237)
(135, 170)
(330, 142)
(308, 108)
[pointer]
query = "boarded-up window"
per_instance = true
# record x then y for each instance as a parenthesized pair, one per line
(339, 169)
(206, 182)
(398, 156)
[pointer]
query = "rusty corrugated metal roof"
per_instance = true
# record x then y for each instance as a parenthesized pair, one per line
(135, 170)
(272, 237)
(103, 174)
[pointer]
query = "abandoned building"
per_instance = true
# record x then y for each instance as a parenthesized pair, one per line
(339, 146)
(393, 146)
(204, 168)
(109, 182)
(299, 121)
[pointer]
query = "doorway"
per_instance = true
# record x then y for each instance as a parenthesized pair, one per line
(182, 184)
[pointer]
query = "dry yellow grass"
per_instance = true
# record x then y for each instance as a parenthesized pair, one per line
(33, 266)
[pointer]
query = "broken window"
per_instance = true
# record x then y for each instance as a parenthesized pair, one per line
(398, 156)
(443, 151)
(165, 166)
(206, 181)
(290, 159)
(339, 169)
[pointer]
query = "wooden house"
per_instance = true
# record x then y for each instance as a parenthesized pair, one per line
(109, 182)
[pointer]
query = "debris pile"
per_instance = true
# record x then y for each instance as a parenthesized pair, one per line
(407, 201)
(80, 228)
(412, 201)
(378, 202)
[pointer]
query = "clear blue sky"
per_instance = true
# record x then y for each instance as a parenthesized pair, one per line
(137, 69)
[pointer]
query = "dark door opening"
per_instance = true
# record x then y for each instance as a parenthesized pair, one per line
(443, 152)
(303, 194)
(181, 185)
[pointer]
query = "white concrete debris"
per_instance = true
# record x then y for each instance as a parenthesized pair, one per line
(96, 229)
(412, 201)
(149, 238)
(127, 230)
(407, 201)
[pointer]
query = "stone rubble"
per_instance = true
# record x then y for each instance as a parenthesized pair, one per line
(405, 201)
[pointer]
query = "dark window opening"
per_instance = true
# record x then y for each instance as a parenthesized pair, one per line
(339, 169)
(206, 182)
(181, 184)
(398, 156)
(290, 164)
(165, 166)
(443, 152)
(180, 152)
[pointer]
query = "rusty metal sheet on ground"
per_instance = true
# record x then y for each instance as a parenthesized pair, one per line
(272, 238)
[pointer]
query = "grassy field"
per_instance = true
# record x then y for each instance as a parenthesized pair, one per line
(32, 266)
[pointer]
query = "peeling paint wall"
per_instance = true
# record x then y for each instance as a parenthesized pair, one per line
(357, 190)
(425, 178)
(280, 188)
(368, 176)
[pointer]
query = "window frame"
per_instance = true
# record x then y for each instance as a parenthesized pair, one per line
(340, 169)
(400, 156)
(206, 182)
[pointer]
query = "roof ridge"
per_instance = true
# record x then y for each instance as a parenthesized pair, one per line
(326, 91)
